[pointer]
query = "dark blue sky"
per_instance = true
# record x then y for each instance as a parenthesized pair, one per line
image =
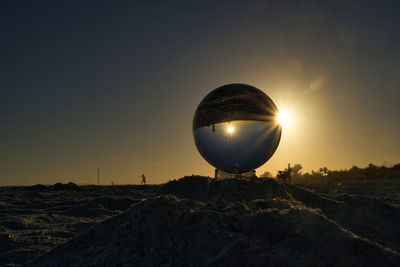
(114, 85)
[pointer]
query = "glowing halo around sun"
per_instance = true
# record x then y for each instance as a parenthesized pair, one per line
(283, 118)
(230, 129)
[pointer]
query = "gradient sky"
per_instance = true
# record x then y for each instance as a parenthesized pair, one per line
(100, 84)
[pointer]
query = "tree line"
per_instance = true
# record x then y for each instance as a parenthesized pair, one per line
(371, 172)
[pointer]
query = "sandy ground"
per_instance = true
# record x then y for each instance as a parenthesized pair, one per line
(196, 221)
(34, 220)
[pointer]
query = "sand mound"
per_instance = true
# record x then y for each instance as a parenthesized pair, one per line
(56, 186)
(197, 222)
(207, 189)
(367, 217)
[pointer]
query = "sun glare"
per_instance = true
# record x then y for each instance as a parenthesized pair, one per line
(230, 129)
(283, 118)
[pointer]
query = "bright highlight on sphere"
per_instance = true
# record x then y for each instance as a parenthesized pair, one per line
(283, 118)
(230, 129)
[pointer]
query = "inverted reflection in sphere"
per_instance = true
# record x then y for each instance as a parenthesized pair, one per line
(235, 128)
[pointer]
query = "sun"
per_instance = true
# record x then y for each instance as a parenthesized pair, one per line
(283, 118)
(230, 129)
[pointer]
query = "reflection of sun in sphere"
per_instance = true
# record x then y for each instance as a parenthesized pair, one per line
(230, 129)
(235, 128)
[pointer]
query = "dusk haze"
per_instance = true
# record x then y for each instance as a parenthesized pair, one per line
(90, 84)
(200, 133)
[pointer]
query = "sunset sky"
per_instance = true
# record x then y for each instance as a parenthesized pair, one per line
(114, 84)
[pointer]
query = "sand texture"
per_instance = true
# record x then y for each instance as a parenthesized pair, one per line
(196, 221)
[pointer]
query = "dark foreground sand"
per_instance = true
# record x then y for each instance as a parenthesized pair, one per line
(196, 221)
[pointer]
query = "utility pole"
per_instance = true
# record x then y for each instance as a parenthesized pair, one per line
(98, 176)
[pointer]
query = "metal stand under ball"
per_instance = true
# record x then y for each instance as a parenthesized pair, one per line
(220, 174)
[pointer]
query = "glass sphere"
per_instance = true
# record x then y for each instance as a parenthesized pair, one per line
(235, 128)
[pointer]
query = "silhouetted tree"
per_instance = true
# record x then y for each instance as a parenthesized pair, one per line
(324, 171)
(296, 170)
(285, 175)
(266, 174)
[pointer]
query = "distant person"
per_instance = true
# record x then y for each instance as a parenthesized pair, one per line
(143, 180)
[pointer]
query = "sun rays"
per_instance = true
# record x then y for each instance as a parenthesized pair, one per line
(283, 118)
